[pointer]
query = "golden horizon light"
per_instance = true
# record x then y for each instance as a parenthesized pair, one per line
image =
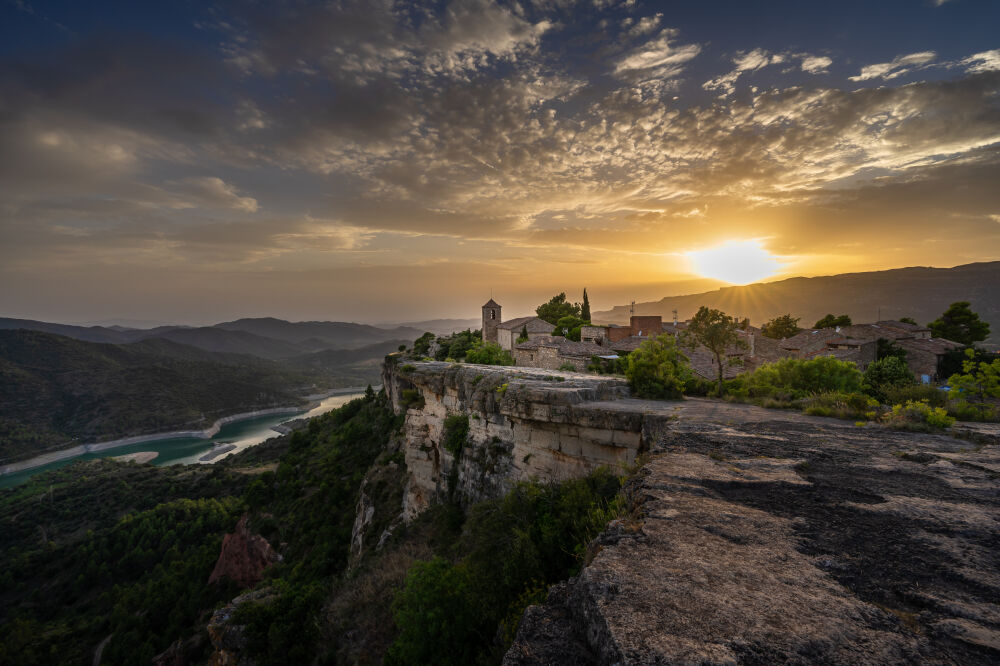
(735, 262)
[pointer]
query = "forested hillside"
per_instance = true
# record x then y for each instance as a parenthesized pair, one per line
(56, 391)
(120, 555)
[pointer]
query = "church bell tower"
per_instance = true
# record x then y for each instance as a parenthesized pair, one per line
(491, 319)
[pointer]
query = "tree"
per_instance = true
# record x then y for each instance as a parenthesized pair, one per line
(422, 345)
(523, 337)
(831, 321)
(585, 309)
(557, 308)
(909, 320)
(886, 374)
(781, 327)
(569, 326)
(976, 384)
(885, 348)
(960, 324)
(658, 369)
(716, 331)
(488, 353)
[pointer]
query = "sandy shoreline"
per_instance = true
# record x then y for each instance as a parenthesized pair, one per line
(207, 433)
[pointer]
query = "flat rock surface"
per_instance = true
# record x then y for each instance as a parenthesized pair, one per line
(761, 536)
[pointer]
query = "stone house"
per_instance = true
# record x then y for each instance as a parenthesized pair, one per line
(509, 331)
(553, 352)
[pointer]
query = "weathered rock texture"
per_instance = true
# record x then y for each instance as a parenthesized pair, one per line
(773, 538)
(523, 423)
(244, 556)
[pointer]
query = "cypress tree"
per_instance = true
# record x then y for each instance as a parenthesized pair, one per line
(585, 310)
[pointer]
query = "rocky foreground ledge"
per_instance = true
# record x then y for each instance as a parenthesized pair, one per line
(788, 539)
(755, 536)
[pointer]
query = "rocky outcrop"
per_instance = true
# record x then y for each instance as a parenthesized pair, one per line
(229, 641)
(774, 538)
(244, 556)
(523, 423)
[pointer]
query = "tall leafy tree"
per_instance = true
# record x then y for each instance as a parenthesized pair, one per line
(832, 321)
(960, 324)
(585, 309)
(781, 327)
(556, 308)
(716, 331)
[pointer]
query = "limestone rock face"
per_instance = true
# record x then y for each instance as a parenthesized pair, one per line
(244, 556)
(789, 540)
(523, 423)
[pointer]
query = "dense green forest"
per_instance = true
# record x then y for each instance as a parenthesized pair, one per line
(56, 391)
(104, 550)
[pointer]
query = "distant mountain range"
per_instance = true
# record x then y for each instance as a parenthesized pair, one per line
(263, 337)
(918, 292)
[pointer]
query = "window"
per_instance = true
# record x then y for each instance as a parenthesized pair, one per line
(493, 314)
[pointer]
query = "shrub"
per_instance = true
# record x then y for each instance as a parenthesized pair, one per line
(884, 375)
(932, 395)
(567, 367)
(918, 415)
(841, 405)
(412, 398)
(791, 378)
(657, 369)
(976, 386)
(456, 433)
(409, 367)
(488, 353)
(695, 385)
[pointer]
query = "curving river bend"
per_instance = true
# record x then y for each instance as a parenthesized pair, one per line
(187, 450)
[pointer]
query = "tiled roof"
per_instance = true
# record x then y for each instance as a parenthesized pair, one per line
(933, 345)
(853, 342)
(491, 304)
(903, 326)
(533, 324)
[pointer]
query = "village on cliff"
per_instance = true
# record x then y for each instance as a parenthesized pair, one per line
(532, 343)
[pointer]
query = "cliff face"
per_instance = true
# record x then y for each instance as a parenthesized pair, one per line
(523, 423)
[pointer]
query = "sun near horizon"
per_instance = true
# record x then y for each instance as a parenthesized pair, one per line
(735, 262)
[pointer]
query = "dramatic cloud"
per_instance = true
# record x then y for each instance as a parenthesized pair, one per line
(446, 148)
(816, 64)
(744, 62)
(899, 66)
(987, 61)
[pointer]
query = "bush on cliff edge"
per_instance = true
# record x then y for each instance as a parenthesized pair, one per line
(658, 369)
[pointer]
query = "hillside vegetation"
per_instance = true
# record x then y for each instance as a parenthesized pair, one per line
(55, 390)
(104, 550)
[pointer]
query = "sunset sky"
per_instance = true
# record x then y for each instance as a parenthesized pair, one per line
(376, 161)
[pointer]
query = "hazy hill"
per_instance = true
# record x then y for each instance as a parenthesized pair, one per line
(335, 334)
(264, 337)
(342, 359)
(54, 389)
(918, 292)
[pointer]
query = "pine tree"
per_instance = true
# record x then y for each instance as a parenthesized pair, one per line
(585, 310)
